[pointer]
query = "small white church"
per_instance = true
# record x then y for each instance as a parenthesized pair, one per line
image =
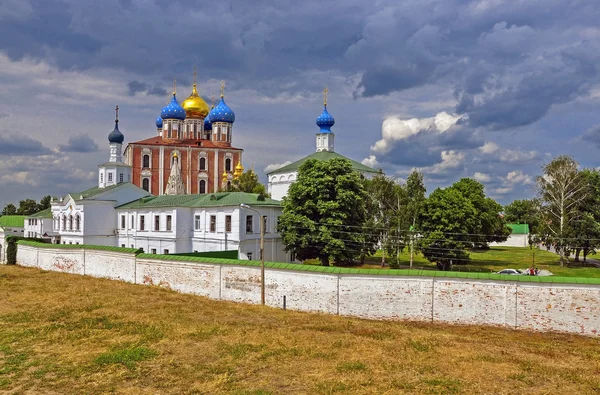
(279, 180)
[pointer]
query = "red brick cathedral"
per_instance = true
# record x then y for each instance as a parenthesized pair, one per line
(193, 138)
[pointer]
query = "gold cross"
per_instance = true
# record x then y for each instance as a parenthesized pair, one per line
(222, 88)
(213, 99)
(174, 87)
(117, 113)
(194, 75)
(325, 95)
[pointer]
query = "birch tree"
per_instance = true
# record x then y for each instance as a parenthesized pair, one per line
(561, 189)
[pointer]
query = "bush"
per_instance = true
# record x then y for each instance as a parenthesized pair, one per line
(11, 251)
(11, 248)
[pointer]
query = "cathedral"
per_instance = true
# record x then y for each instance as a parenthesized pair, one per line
(192, 150)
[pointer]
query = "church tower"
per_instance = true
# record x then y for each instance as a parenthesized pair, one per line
(196, 111)
(173, 116)
(114, 171)
(222, 118)
(325, 121)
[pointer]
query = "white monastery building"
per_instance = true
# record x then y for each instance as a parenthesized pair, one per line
(118, 213)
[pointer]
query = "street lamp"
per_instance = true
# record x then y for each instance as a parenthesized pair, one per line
(262, 252)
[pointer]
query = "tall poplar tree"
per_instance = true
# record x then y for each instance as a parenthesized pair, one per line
(562, 189)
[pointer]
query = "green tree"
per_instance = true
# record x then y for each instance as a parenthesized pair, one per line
(9, 209)
(27, 207)
(445, 223)
(562, 189)
(248, 182)
(525, 211)
(44, 203)
(415, 190)
(490, 226)
(324, 212)
(385, 200)
(584, 232)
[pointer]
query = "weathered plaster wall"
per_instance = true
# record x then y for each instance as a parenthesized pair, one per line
(65, 261)
(186, 277)
(109, 264)
(573, 308)
(559, 307)
(386, 297)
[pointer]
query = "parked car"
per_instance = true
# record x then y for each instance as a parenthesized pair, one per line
(510, 271)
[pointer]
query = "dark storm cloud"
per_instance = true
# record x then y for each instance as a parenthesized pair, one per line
(509, 62)
(17, 145)
(592, 135)
(47, 30)
(81, 143)
(135, 87)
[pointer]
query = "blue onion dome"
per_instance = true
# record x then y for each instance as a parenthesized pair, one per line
(325, 121)
(173, 110)
(222, 113)
(159, 122)
(207, 123)
(116, 136)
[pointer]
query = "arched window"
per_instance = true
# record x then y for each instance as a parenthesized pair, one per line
(146, 161)
(203, 163)
(64, 222)
(228, 164)
(202, 186)
(70, 222)
(146, 184)
(77, 222)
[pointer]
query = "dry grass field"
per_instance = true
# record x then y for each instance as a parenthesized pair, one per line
(71, 334)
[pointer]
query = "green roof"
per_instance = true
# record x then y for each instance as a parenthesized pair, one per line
(323, 155)
(12, 221)
(47, 213)
(519, 229)
(91, 192)
(219, 199)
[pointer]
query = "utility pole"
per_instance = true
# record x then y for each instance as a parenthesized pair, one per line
(412, 252)
(262, 260)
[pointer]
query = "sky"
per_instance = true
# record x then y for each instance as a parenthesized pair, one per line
(489, 89)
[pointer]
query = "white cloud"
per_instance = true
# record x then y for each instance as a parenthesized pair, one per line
(275, 166)
(395, 129)
(451, 160)
(493, 150)
(489, 148)
(371, 161)
(513, 179)
(482, 177)
(518, 177)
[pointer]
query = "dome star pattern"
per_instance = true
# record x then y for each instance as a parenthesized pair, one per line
(325, 121)
(173, 110)
(222, 113)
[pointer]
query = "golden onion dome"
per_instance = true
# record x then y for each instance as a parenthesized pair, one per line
(194, 105)
(239, 170)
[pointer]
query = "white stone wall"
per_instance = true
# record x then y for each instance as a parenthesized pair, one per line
(59, 260)
(386, 297)
(307, 291)
(186, 277)
(109, 264)
(534, 306)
